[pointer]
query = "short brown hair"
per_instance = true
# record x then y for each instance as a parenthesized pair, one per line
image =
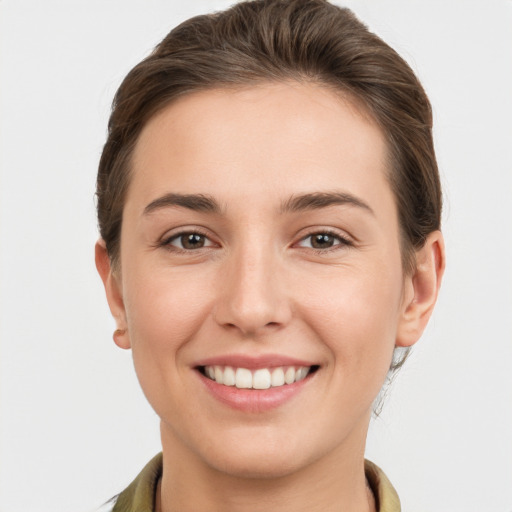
(281, 40)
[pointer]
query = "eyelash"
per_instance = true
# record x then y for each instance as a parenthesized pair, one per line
(167, 242)
(343, 242)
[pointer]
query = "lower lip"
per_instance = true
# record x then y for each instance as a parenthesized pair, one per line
(254, 400)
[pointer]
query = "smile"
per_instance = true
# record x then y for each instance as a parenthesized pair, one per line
(261, 378)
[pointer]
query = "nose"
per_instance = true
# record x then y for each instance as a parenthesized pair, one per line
(252, 296)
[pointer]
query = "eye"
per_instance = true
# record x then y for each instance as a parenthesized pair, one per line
(188, 241)
(323, 240)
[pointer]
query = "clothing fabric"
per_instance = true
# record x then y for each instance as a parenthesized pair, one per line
(139, 496)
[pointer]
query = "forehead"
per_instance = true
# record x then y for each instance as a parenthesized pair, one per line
(265, 140)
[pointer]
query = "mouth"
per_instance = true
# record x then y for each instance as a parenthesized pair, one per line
(256, 379)
(256, 383)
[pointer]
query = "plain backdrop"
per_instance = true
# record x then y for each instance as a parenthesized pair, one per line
(74, 427)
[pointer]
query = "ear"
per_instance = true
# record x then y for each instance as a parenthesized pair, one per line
(421, 290)
(114, 294)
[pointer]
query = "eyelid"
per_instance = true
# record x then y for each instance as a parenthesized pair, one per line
(343, 239)
(165, 241)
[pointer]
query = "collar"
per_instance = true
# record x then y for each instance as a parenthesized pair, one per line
(139, 496)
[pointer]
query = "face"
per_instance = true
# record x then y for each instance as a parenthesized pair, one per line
(261, 284)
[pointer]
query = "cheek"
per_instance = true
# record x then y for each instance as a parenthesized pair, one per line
(164, 309)
(355, 311)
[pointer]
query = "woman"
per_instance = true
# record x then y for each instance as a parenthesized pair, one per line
(269, 208)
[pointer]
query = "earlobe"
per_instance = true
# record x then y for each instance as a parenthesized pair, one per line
(422, 290)
(113, 292)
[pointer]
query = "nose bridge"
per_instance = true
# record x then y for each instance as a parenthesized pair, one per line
(253, 296)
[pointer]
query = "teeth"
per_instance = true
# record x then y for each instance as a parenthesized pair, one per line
(300, 374)
(228, 378)
(219, 375)
(289, 375)
(263, 378)
(277, 378)
(243, 378)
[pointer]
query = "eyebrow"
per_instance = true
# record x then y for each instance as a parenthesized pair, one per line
(296, 203)
(317, 200)
(196, 202)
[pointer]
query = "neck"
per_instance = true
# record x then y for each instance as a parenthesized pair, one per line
(336, 482)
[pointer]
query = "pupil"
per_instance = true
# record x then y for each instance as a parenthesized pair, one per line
(322, 240)
(192, 241)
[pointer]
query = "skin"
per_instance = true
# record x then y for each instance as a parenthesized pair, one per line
(258, 286)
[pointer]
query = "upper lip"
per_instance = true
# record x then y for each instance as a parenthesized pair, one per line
(253, 362)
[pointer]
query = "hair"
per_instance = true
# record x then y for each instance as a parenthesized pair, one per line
(280, 41)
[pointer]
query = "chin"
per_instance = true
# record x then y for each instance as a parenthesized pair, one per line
(258, 465)
(259, 456)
